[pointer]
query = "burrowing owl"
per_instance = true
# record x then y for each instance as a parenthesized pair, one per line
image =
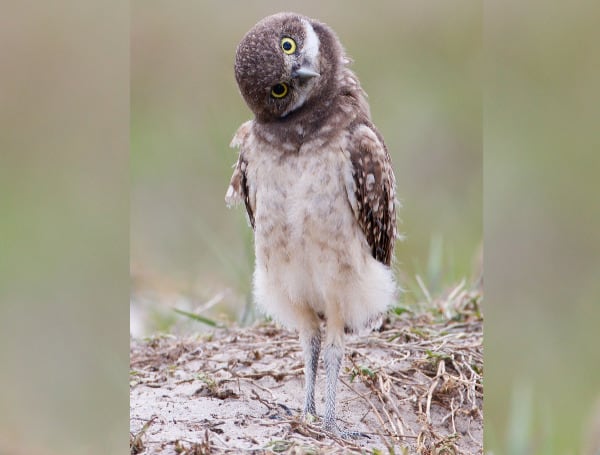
(318, 185)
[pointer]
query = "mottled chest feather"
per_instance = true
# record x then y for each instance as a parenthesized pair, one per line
(331, 186)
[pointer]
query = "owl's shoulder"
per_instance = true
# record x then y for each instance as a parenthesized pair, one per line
(238, 190)
(241, 135)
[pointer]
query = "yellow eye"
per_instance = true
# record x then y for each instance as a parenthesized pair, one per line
(288, 45)
(279, 90)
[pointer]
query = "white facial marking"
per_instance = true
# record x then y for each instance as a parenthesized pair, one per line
(310, 52)
(311, 42)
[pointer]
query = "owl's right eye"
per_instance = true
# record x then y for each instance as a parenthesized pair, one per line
(279, 90)
(288, 45)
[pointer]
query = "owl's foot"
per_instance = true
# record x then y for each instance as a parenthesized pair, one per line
(332, 427)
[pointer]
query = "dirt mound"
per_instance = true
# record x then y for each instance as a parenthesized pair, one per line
(414, 386)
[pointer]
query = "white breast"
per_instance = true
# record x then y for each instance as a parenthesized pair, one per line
(310, 250)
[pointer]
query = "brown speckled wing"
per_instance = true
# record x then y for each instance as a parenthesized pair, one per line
(374, 186)
(238, 186)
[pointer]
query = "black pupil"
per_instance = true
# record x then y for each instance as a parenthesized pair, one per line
(287, 46)
(279, 89)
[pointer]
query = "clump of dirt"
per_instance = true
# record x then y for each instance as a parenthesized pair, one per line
(414, 386)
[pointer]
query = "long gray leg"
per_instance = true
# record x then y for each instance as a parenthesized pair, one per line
(311, 345)
(332, 357)
(333, 352)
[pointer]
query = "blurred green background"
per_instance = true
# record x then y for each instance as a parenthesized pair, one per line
(420, 64)
(446, 80)
(542, 225)
(64, 208)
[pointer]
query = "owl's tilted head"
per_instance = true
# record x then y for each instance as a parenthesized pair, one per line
(285, 63)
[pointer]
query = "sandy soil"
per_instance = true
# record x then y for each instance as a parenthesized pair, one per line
(414, 386)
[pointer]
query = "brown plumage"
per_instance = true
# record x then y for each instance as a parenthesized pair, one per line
(318, 186)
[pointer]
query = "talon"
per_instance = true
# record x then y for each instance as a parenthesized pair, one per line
(332, 427)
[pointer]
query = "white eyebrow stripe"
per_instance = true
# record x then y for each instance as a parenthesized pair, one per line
(311, 42)
(310, 49)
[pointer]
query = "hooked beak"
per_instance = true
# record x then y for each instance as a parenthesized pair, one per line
(305, 72)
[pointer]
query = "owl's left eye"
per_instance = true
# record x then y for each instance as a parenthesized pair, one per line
(279, 90)
(288, 45)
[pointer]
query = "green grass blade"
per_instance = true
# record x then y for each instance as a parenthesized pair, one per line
(197, 317)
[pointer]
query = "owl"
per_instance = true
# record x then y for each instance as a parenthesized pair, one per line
(317, 183)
